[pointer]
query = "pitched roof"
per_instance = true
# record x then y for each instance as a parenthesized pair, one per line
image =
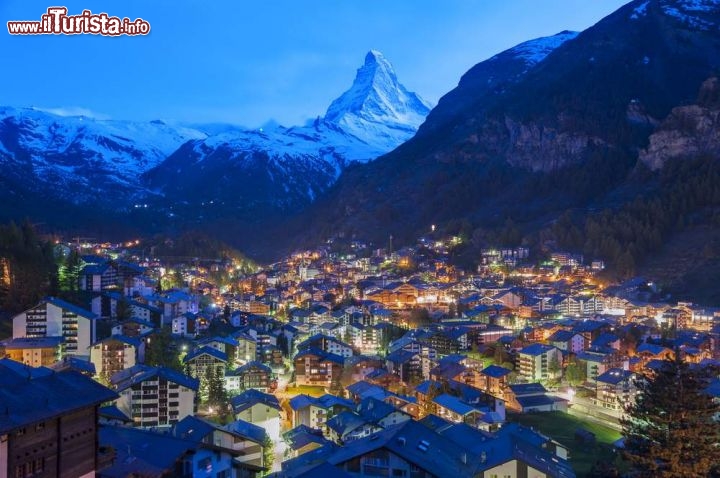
(142, 452)
(454, 404)
(252, 397)
(140, 373)
(536, 349)
(71, 307)
(206, 350)
(614, 376)
(29, 395)
(32, 343)
(495, 371)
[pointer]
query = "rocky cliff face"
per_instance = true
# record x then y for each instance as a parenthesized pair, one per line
(689, 131)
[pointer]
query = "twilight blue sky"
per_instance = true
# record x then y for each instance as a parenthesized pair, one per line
(246, 62)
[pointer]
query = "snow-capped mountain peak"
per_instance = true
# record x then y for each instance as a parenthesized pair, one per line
(534, 51)
(377, 105)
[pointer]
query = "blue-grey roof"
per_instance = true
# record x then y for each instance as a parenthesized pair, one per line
(614, 376)
(141, 452)
(495, 371)
(536, 349)
(562, 336)
(302, 435)
(322, 355)
(345, 422)
(374, 410)
(114, 413)
(536, 401)
(29, 395)
(365, 389)
(206, 350)
(454, 404)
(193, 428)
(520, 389)
(248, 430)
(72, 308)
(140, 373)
(134, 341)
(651, 348)
(301, 401)
(252, 397)
(32, 342)
(254, 364)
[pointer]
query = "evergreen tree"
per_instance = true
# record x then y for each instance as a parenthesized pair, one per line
(268, 453)
(216, 393)
(162, 351)
(671, 431)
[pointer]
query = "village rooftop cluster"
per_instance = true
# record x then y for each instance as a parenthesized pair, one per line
(345, 361)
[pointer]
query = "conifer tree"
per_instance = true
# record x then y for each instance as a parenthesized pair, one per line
(671, 430)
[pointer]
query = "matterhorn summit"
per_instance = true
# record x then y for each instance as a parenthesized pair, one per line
(377, 108)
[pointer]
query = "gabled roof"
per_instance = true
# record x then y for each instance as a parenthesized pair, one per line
(302, 435)
(135, 342)
(374, 410)
(520, 389)
(206, 350)
(495, 371)
(652, 349)
(345, 422)
(32, 343)
(29, 395)
(71, 307)
(252, 397)
(614, 376)
(112, 412)
(142, 452)
(562, 336)
(140, 373)
(254, 364)
(322, 355)
(454, 404)
(536, 349)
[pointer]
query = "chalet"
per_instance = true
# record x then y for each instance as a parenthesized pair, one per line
(599, 361)
(532, 397)
(198, 362)
(56, 409)
(567, 340)
(539, 362)
(303, 439)
(116, 353)
(327, 344)
(255, 375)
(316, 367)
(414, 449)
(648, 352)
(314, 412)
(35, 352)
(495, 380)
(241, 442)
(260, 409)
(100, 277)
(133, 327)
(615, 389)
(155, 396)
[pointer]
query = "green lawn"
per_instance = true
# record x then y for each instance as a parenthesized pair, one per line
(561, 427)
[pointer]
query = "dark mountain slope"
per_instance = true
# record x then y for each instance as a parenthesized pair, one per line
(563, 135)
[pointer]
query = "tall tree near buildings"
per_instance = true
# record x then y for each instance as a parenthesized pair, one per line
(671, 430)
(28, 269)
(162, 351)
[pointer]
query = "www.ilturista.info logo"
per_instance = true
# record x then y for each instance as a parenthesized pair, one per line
(57, 22)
